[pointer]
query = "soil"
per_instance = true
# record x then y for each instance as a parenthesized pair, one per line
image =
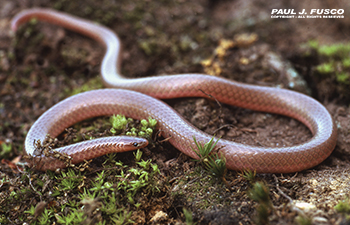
(43, 64)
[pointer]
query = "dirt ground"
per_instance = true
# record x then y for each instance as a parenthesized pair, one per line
(43, 64)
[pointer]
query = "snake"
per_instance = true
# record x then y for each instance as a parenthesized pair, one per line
(140, 98)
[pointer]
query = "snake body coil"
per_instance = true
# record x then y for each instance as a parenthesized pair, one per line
(138, 100)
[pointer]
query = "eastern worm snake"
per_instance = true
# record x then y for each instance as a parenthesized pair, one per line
(136, 98)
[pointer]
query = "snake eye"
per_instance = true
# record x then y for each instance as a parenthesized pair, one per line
(136, 144)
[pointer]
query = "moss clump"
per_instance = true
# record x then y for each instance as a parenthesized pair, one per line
(144, 129)
(334, 61)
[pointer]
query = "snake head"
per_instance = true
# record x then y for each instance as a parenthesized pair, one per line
(132, 143)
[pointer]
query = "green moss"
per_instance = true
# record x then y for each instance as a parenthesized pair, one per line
(325, 68)
(303, 220)
(69, 180)
(200, 190)
(313, 44)
(118, 122)
(5, 150)
(122, 125)
(111, 194)
(75, 216)
(343, 206)
(343, 77)
(215, 163)
(334, 50)
(335, 60)
(92, 84)
(260, 193)
(346, 62)
(249, 175)
(74, 56)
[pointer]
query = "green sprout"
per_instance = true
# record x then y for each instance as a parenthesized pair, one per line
(132, 132)
(203, 152)
(217, 165)
(346, 62)
(249, 175)
(335, 60)
(325, 68)
(122, 217)
(31, 211)
(313, 44)
(100, 184)
(343, 77)
(92, 84)
(334, 50)
(139, 178)
(76, 216)
(119, 123)
(343, 207)
(260, 193)
(303, 220)
(138, 155)
(188, 217)
(214, 163)
(70, 180)
(46, 217)
(106, 193)
(145, 128)
(145, 164)
(5, 150)
(87, 194)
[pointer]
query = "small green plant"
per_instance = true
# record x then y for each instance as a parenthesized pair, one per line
(46, 217)
(188, 217)
(205, 150)
(112, 195)
(92, 84)
(5, 150)
(122, 217)
(75, 216)
(119, 123)
(346, 62)
(215, 163)
(260, 193)
(143, 177)
(249, 175)
(325, 68)
(132, 132)
(335, 60)
(303, 220)
(70, 180)
(138, 155)
(138, 179)
(100, 184)
(343, 207)
(110, 204)
(335, 50)
(31, 211)
(145, 129)
(87, 194)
